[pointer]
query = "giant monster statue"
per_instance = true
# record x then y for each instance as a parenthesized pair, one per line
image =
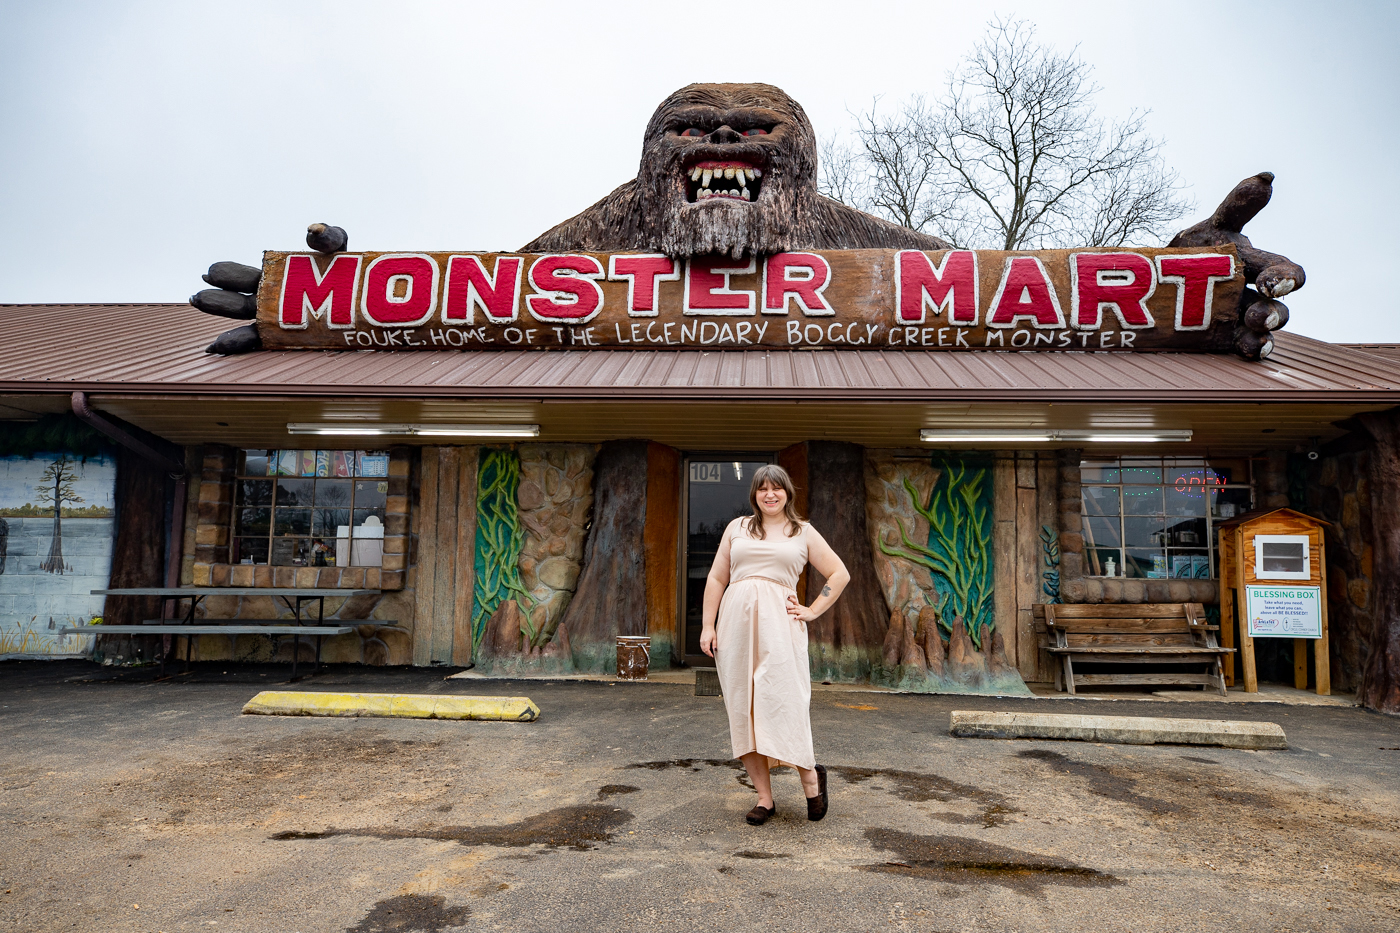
(732, 169)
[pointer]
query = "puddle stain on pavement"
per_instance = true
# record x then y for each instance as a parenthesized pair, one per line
(1102, 781)
(913, 786)
(918, 787)
(613, 790)
(411, 913)
(688, 764)
(958, 860)
(754, 854)
(693, 764)
(576, 828)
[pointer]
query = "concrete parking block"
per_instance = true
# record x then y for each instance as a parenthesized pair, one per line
(392, 705)
(1122, 730)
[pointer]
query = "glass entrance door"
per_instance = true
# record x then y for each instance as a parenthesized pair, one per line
(717, 491)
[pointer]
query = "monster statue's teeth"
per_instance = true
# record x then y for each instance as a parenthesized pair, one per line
(705, 192)
(756, 173)
(705, 178)
(729, 173)
(745, 193)
(695, 174)
(743, 176)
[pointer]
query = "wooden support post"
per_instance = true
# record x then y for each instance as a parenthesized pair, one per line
(663, 500)
(1321, 652)
(1027, 557)
(425, 582)
(1300, 663)
(444, 576)
(1228, 599)
(1228, 628)
(1251, 674)
(1004, 541)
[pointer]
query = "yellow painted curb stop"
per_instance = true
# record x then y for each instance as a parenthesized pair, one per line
(396, 705)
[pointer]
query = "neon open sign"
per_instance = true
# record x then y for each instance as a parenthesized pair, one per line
(1194, 483)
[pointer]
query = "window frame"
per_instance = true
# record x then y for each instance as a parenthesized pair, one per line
(1263, 574)
(1164, 463)
(355, 475)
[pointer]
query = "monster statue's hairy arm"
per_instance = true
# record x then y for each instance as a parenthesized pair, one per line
(1271, 274)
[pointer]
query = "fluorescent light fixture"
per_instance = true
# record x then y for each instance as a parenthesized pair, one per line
(352, 429)
(476, 430)
(1050, 435)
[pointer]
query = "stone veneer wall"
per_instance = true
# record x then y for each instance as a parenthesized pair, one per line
(1338, 491)
(556, 501)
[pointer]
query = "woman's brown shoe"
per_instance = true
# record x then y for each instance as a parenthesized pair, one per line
(816, 806)
(760, 815)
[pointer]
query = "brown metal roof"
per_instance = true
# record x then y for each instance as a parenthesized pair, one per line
(144, 349)
(1389, 351)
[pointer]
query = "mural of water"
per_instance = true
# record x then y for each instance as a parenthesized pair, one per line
(56, 532)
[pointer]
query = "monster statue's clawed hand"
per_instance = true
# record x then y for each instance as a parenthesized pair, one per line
(1273, 275)
(731, 169)
(235, 287)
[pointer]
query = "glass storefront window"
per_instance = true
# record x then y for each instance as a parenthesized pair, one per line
(1154, 517)
(310, 508)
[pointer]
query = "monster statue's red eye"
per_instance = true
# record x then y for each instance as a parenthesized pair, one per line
(756, 131)
(692, 131)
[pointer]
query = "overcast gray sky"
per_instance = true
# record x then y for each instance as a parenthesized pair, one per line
(139, 142)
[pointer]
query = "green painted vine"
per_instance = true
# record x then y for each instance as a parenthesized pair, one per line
(1050, 545)
(499, 540)
(959, 549)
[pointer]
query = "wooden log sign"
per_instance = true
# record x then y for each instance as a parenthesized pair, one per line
(1090, 299)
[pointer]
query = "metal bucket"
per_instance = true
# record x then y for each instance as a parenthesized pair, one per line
(633, 656)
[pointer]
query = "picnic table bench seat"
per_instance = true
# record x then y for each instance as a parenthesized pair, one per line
(190, 624)
(1159, 634)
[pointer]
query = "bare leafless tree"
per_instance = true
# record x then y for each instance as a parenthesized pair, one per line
(841, 171)
(1014, 156)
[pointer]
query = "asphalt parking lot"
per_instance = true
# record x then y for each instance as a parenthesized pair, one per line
(133, 805)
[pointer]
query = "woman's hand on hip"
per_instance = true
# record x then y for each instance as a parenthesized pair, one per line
(798, 611)
(707, 640)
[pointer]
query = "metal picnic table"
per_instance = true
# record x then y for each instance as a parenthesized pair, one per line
(293, 596)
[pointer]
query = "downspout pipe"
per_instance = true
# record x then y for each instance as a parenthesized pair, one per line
(176, 534)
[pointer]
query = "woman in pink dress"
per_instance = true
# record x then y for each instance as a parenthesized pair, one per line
(759, 642)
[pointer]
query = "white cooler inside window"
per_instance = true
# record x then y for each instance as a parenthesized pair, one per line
(366, 549)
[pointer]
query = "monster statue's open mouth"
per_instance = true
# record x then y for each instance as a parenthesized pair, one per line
(729, 178)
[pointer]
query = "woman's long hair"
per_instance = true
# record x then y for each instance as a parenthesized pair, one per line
(772, 475)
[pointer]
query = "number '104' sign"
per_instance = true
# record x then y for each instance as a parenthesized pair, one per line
(1092, 299)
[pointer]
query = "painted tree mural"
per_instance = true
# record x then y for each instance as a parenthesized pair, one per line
(959, 547)
(56, 491)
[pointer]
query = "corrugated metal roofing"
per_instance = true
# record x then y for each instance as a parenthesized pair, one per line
(159, 349)
(1389, 351)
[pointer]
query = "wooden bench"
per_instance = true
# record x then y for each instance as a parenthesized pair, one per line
(1157, 634)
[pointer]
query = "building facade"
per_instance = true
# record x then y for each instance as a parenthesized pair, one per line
(518, 510)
